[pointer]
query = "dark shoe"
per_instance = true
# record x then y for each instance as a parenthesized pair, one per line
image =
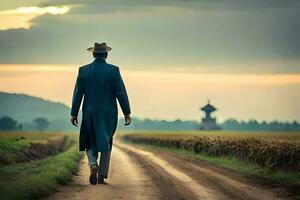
(93, 176)
(101, 180)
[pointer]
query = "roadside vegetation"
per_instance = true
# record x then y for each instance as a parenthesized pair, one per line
(39, 177)
(16, 148)
(15, 141)
(271, 156)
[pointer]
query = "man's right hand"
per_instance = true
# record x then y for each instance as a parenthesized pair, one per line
(127, 120)
(74, 121)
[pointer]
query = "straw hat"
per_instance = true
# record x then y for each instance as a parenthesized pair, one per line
(99, 48)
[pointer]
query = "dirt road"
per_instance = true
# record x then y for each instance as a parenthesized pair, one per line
(141, 174)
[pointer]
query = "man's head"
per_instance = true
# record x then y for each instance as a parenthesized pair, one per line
(100, 50)
(100, 55)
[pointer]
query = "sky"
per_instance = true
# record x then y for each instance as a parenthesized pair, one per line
(243, 55)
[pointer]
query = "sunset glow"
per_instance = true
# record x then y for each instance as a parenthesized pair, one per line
(156, 89)
(39, 10)
(21, 17)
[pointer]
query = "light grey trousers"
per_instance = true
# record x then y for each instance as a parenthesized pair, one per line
(103, 165)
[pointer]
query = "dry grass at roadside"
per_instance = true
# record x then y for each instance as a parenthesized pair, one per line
(277, 151)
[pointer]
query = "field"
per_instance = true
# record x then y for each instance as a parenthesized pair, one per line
(32, 165)
(158, 165)
(274, 155)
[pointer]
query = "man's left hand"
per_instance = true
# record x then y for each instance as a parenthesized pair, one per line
(74, 121)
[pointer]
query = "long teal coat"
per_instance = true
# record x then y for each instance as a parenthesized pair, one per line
(99, 84)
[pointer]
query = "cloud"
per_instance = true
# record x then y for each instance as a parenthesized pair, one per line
(22, 17)
(53, 10)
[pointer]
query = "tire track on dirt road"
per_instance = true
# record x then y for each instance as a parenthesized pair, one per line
(203, 181)
(229, 185)
(185, 186)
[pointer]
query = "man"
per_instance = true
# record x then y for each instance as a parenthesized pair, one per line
(101, 85)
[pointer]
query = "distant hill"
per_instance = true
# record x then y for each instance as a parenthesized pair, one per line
(25, 108)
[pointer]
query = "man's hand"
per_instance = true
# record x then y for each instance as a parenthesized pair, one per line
(74, 121)
(127, 120)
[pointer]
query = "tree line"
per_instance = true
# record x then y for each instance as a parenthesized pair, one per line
(63, 124)
(254, 125)
(230, 125)
(9, 124)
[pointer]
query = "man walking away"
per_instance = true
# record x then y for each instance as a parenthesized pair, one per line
(100, 85)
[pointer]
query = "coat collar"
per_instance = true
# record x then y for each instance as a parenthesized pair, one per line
(100, 60)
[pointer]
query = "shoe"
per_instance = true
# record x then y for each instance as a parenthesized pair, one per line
(93, 175)
(101, 180)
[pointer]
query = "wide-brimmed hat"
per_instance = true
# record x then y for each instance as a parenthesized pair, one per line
(99, 48)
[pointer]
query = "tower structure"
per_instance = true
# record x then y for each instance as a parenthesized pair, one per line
(208, 122)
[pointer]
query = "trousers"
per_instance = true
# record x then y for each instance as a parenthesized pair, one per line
(104, 161)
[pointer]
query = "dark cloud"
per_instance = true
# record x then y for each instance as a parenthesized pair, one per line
(162, 37)
(107, 6)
